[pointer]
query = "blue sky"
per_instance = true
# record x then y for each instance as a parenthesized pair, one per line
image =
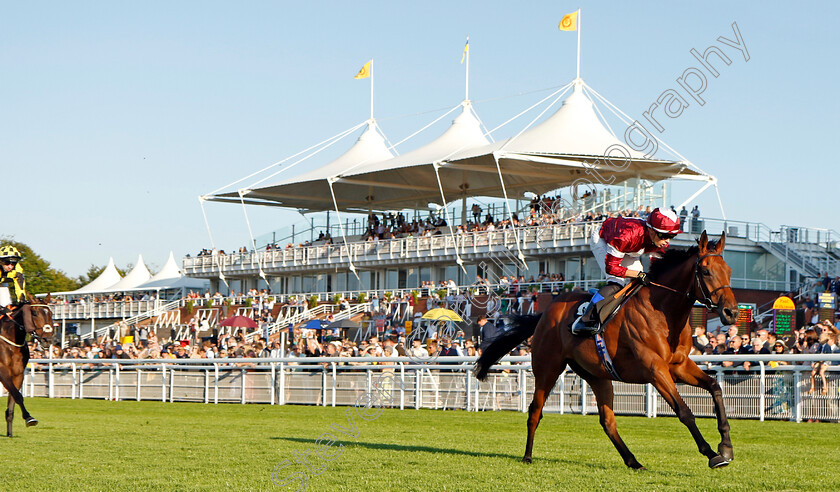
(116, 115)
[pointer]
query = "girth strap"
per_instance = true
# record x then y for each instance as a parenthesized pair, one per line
(605, 357)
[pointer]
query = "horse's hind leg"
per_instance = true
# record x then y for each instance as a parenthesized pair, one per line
(10, 414)
(689, 373)
(664, 383)
(542, 388)
(603, 390)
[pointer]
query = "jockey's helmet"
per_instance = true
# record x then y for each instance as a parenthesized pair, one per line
(9, 252)
(664, 221)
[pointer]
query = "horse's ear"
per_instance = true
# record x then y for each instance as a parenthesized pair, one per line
(48, 298)
(31, 298)
(720, 243)
(703, 242)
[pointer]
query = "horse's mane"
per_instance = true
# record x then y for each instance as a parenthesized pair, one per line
(672, 258)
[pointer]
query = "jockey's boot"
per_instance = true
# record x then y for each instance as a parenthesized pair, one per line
(588, 322)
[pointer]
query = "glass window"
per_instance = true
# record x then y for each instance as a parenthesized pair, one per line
(341, 281)
(736, 261)
(573, 269)
(451, 273)
(321, 283)
(754, 264)
(425, 274)
(391, 279)
(775, 268)
(591, 270)
(412, 279)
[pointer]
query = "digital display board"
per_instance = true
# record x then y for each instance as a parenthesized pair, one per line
(745, 317)
(784, 320)
(699, 316)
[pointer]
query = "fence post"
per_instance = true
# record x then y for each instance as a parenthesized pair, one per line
(797, 394)
(762, 386)
(583, 386)
(171, 383)
(163, 383)
(402, 386)
(242, 388)
(563, 392)
(273, 391)
(206, 386)
(81, 383)
(281, 398)
(139, 373)
(523, 381)
(215, 383)
(324, 386)
(50, 390)
(468, 385)
(334, 382)
(116, 382)
(418, 376)
(73, 387)
(110, 383)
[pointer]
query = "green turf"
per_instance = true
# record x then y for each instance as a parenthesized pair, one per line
(102, 445)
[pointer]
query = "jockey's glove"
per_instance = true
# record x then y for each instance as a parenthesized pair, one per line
(643, 278)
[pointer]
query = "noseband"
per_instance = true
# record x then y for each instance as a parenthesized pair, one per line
(704, 291)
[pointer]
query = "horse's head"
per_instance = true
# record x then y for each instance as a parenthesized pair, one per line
(42, 317)
(713, 274)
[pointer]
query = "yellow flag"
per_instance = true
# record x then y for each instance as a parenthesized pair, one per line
(466, 49)
(364, 72)
(569, 22)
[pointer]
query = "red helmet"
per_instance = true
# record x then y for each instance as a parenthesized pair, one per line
(664, 221)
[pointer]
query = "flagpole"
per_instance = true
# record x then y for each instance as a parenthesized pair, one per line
(578, 50)
(371, 86)
(467, 91)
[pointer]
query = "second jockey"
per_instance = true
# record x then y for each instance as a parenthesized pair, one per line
(618, 246)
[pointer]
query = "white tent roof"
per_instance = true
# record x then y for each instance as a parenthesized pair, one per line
(138, 275)
(565, 147)
(107, 278)
(311, 190)
(175, 283)
(169, 271)
(170, 277)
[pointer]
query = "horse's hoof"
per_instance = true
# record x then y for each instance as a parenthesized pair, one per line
(726, 452)
(636, 466)
(31, 421)
(718, 461)
(526, 459)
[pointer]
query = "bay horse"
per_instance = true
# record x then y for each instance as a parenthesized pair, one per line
(14, 352)
(648, 339)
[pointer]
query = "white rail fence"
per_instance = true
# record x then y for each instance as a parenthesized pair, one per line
(779, 393)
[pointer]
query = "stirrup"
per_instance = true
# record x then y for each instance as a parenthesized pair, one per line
(579, 328)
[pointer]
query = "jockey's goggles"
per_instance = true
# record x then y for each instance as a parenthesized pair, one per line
(662, 235)
(9, 261)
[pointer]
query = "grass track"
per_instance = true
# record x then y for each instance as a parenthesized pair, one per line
(102, 445)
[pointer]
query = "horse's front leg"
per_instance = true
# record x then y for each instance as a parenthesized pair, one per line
(12, 383)
(664, 383)
(687, 372)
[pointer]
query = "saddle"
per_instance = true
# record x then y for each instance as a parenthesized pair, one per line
(605, 308)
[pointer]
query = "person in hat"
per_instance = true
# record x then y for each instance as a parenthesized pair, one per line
(618, 246)
(13, 286)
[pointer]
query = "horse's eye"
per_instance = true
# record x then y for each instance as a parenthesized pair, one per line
(706, 272)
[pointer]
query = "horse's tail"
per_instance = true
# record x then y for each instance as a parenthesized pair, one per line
(523, 328)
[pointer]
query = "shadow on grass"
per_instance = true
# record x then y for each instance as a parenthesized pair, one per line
(462, 452)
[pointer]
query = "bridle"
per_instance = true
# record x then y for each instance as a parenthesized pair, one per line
(45, 328)
(704, 290)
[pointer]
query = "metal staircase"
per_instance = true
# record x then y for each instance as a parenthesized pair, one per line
(157, 311)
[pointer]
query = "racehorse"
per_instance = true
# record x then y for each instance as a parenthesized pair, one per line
(14, 353)
(648, 339)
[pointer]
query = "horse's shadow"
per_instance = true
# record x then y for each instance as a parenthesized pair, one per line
(475, 454)
(429, 449)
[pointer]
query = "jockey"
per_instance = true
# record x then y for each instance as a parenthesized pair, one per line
(13, 285)
(618, 246)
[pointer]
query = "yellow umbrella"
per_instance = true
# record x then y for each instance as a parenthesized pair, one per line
(442, 314)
